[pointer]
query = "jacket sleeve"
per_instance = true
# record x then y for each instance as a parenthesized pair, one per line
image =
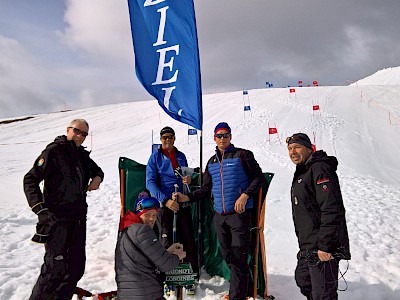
(253, 171)
(95, 170)
(154, 250)
(329, 199)
(185, 163)
(42, 167)
(151, 179)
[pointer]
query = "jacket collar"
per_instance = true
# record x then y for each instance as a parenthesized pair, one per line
(129, 219)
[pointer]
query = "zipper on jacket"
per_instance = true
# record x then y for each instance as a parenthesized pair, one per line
(222, 181)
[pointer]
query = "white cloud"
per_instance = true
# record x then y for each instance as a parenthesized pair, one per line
(357, 50)
(101, 28)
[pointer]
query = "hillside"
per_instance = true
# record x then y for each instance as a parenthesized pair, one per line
(359, 124)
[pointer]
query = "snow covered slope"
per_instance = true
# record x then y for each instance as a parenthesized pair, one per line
(359, 124)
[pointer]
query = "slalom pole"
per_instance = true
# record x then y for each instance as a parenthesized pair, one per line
(257, 249)
(179, 288)
(122, 192)
(174, 235)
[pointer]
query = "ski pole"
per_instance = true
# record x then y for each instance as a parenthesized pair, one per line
(178, 172)
(174, 235)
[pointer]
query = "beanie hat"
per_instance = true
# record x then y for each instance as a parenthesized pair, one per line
(222, 125)
(167, 129)
(300, 138)
(145, 203)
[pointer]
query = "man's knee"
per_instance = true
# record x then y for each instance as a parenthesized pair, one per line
(303, 278)
(55, 273)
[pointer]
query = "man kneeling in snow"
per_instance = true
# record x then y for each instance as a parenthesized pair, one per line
(140, 258)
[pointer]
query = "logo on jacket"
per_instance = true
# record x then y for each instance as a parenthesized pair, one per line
(299, 180)
(323, 180)
(40, 162)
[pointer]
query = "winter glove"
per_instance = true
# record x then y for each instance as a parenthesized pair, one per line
(47, 217)
(46, 220)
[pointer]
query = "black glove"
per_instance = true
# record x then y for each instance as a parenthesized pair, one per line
(46, 220)
(47, 217)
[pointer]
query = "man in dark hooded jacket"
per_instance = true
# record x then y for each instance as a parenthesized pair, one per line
(319, 219)
(68, 173)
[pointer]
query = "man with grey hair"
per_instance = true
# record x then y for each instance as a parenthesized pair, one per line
(68, 173)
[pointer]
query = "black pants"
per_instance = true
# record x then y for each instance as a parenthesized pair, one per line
(318, 282)
(233, 233)
(64, 262)
(184, 230)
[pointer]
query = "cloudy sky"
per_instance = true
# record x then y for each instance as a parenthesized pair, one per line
(78, 53)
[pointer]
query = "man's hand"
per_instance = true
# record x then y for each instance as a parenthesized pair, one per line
(94, 184)
(172, 205)
(180, 197)
(186, 180)
(177, 249)
(324, 256)
(240, 204)
(47, 217)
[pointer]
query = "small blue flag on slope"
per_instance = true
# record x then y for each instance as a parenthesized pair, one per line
(167, 57)
(192, 131)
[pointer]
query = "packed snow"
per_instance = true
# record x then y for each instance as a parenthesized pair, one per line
(359, 124)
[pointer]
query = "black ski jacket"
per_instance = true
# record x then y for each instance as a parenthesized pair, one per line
(66, 171)
(317, 206)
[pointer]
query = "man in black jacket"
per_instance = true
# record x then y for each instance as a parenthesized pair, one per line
(68, 173)
(319, 219)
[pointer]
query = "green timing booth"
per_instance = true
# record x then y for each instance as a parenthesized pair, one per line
(133, 181)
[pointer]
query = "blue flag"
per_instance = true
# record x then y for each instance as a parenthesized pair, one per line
(192, 131)
(167, 57)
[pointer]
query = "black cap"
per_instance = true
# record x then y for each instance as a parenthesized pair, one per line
(167, 130)
(300, 138)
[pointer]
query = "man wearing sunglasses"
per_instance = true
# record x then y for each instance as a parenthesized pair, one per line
(319, 219)
(234, 178)
(68, 173)
(160, 180)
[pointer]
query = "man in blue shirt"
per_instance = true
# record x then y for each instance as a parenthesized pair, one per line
(160, 181)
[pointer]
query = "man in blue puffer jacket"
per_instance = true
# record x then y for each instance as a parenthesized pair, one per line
(234, 178)
(160, 181)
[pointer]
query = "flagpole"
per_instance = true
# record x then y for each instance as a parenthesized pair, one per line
(200, 209)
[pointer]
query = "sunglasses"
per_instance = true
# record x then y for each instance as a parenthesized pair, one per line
(79, 132)
(147, 203)
(167, 137)
(222, 135)
(288, 139)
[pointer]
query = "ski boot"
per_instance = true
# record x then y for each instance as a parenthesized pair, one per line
(190, 289)
(168, 289)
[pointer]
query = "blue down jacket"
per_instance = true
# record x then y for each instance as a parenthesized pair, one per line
(227, 176)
